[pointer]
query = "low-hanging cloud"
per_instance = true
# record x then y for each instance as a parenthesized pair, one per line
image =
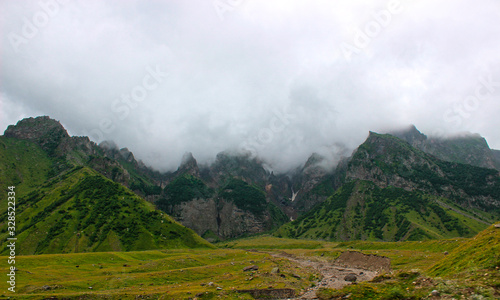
(269, 77)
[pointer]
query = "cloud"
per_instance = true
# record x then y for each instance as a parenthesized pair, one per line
(271, 76)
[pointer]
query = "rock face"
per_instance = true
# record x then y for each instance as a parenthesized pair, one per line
(230, 210)
(312, 184)
(219, 220)
(300, 190)
(119, 154)
(469, 149)
(234, 222)
(198, 215)
(383, 160)
(111, 169)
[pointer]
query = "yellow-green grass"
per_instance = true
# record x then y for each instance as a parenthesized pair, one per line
(271, 242)
(416, 255)
(23, 164)
(184, 274)
(479, 252)
(168, 274)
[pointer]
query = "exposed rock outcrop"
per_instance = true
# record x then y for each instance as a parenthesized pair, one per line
(467, 148)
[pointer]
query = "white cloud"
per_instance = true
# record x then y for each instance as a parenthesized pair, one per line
(227, 78)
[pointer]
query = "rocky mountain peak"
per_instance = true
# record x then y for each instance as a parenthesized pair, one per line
(241, 165)
(314, 166)
(466, 148)
(111, 150)
(189, 165)
(314, 160)
(36, 129)
(410, 134)
(46, 132)
(188, 159)
(127, 155)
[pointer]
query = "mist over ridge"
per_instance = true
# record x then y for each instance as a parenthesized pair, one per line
(279, 80)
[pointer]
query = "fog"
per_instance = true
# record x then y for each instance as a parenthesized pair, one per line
(279, 79)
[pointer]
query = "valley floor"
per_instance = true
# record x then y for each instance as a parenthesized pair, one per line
(306, 268)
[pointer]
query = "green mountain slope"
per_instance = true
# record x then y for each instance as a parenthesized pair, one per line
(176, 193)
(67, 151)
(481, 252)
(82, 211)
(389, 161)
(22, 164)
(361, 210)
(65, 207)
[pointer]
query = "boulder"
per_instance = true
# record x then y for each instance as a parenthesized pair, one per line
(250, 268)
(351, 277)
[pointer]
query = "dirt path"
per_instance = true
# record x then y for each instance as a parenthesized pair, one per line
(332, 275)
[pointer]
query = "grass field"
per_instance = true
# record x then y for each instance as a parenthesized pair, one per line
(418, 268)
(170, 274)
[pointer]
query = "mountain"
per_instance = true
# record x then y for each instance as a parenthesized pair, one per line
(238, 194)
(222, 201)
(66, 151)
(82, 211)
(200, 197)
(360, 210)
(469, 149)
(63, 205)
(393, 191)
(238, 165)
(300, 190)
(389, 161)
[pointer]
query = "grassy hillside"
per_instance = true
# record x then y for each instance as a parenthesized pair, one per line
(82, 211)
(360, 210)
(271, 242)
(23, 164)
(480, 252)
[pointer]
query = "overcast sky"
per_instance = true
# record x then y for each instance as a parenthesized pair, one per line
(281, 79)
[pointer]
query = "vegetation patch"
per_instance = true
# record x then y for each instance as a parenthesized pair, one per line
(244, 196)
